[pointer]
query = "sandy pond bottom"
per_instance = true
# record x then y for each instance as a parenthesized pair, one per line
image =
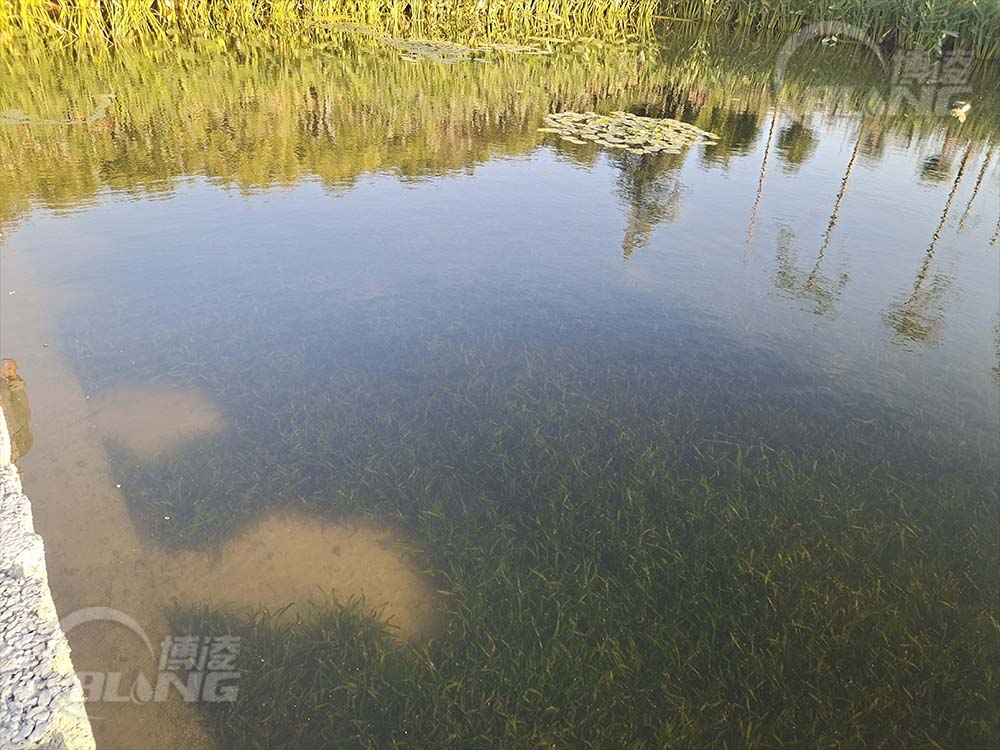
(152, 421)
(288, 560)
(283, 562)
(96, 557)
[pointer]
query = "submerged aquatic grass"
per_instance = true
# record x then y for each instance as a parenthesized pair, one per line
(601, 594)
(632, 552)
(649, 538)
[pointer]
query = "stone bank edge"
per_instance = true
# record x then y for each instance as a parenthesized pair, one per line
(41, 700)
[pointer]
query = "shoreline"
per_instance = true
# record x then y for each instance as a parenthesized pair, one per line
(42, 702)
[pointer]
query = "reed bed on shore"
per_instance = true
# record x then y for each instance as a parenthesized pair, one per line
(931, 25)
(972, 26)
(118, 20)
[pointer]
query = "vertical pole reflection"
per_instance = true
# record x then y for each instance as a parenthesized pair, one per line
(840, 195)
(763, 172)
(975, 189)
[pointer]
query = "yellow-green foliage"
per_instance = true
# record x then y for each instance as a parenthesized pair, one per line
(972, 25)
(967, 24)
(115, 20)
(253, 115)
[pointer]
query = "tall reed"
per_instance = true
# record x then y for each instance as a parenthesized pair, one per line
(930, 24)
(115, 20)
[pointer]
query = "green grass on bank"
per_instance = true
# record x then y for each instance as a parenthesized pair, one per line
(118, 19)
(972, 25)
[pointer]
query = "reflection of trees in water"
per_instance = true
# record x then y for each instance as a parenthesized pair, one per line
(937, 167)
(737, 128)
(796, 144)
(874, 141)
(738, 131)
(652, 192)
(653, 196)
(821, 291)
(257, 122)
(919, 316)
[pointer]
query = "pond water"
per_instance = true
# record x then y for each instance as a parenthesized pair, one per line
(480, 437)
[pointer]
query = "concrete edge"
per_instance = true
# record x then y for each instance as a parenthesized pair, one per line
(41, 700)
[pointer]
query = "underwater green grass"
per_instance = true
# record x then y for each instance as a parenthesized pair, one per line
(649, 539)
(631, 554)
(773, 601)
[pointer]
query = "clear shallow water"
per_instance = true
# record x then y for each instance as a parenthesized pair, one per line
(367, 292)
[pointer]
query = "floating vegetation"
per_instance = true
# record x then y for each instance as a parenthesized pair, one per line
(346, 27)
(20, 117)
(413, 50)
(514, 49)
(628, 132)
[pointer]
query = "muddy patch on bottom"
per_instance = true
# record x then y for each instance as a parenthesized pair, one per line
(291, 561)
(151, 421)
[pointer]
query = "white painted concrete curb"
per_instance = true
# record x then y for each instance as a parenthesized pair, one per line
(41, 701)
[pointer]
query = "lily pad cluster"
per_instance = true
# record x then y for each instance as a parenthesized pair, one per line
(415, 50)
(627, 131)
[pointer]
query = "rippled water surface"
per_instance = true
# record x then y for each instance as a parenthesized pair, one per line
(624, 450)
